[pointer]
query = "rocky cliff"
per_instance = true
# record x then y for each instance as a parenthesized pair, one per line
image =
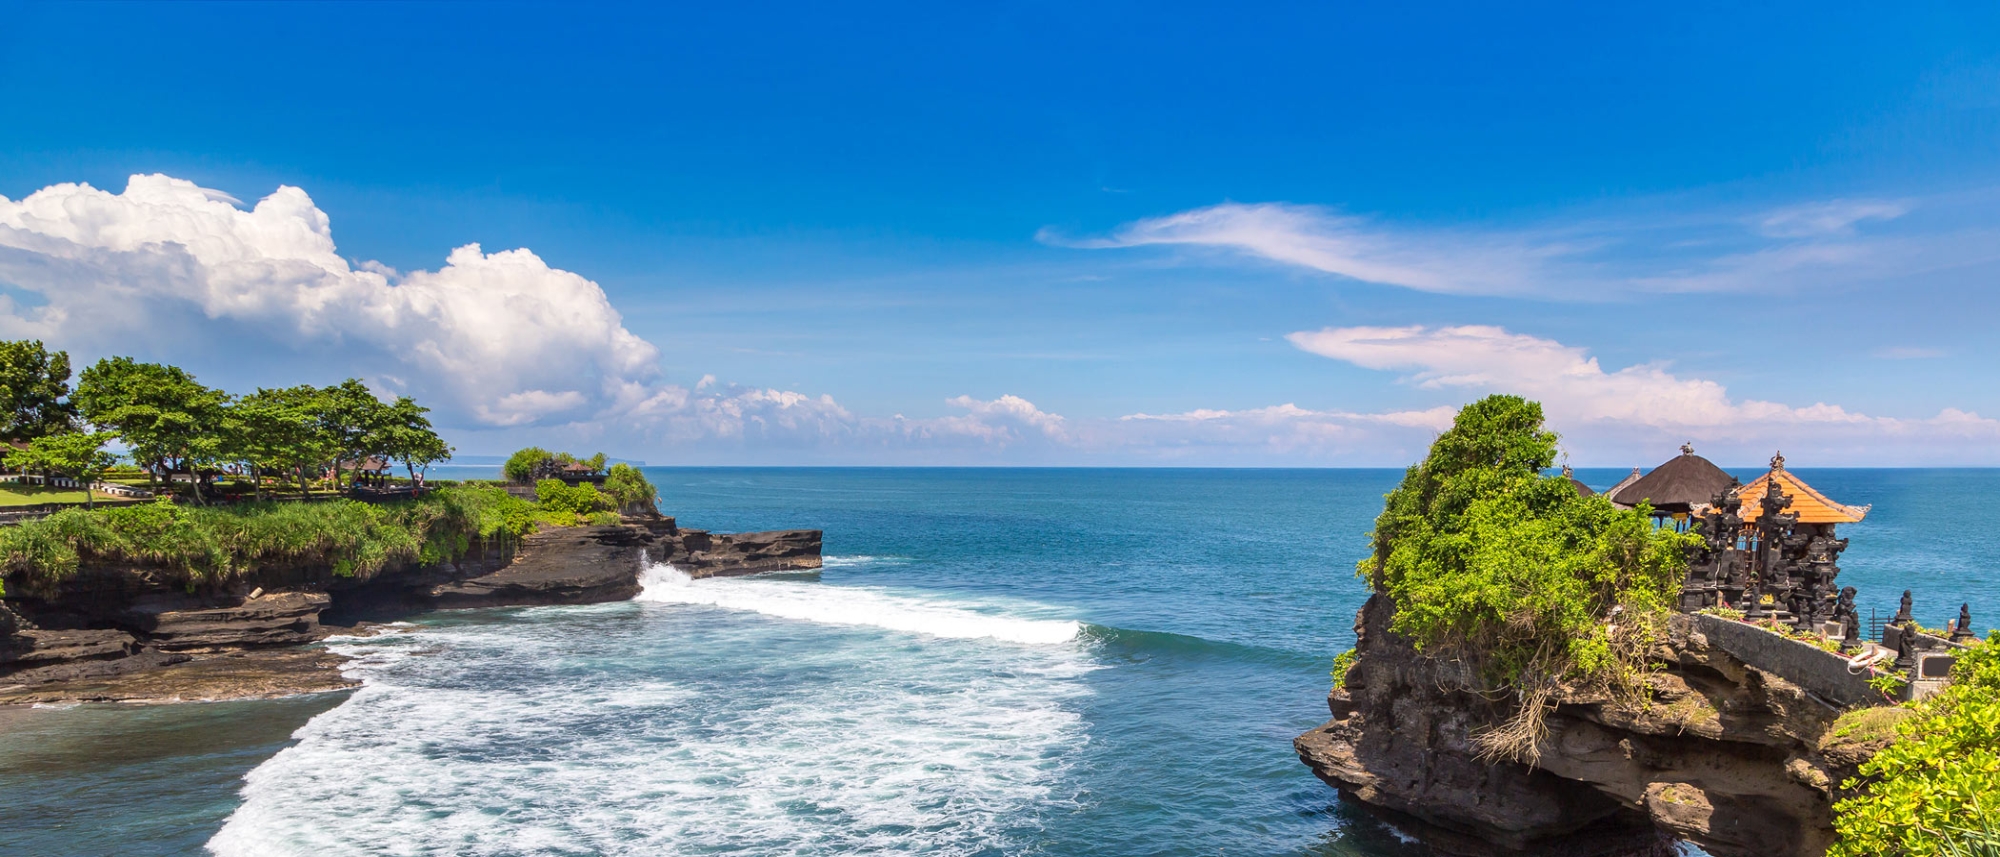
(111, 621)
(1732, 758)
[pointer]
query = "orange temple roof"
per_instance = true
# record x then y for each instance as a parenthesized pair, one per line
(1811, 506)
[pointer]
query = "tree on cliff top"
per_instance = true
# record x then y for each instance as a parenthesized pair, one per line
(34, 391)
(629, 487)
(163, 415)
(1535, 588)
(75, 455)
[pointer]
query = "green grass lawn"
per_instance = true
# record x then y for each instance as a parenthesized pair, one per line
(12, 494)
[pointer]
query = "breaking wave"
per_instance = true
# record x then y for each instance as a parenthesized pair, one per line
(851, 605)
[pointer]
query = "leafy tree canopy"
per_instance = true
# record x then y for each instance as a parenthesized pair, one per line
(75, 455)
(1490, 561)
(161, 413)
(34, 391)
(629, 487)
(520, 466)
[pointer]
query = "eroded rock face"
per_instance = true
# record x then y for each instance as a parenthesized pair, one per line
(108, 622)
(1725, 756)
(274, 619)
(704, 554)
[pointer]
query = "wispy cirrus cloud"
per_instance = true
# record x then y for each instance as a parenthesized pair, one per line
(1590, 257)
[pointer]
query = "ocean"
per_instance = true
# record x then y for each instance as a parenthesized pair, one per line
(993, 662)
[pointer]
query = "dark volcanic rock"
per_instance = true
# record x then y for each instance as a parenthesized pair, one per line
(99, 629)
(704, 554)
(584, 565)
(268, 620)
(1724, 755)
(28, 649)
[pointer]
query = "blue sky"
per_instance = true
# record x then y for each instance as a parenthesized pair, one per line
(1035, 233)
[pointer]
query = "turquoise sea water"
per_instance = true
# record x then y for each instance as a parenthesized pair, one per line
(1062, 662)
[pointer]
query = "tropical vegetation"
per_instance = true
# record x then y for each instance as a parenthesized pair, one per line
(168, 422)
(205, 545)
(1505, 569)
(1935, 791)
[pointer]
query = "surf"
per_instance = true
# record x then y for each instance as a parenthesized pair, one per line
(661, 583)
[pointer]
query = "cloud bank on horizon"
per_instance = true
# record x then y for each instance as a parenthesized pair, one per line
(505, 346)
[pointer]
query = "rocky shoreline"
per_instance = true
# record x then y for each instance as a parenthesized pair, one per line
(1730, 757)
(124, 634)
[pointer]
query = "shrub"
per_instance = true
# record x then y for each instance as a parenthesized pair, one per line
(1535, 588)
(1341, 663)
(628, 487)
(1935, 792)
(213, 544)
(520, 466)
(559, 497)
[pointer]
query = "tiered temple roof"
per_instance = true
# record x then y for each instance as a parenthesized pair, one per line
(1811, 506)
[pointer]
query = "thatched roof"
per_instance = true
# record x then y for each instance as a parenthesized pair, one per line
(1612, 492)
(1582, 490)
(1678, 486)
(1811, 506)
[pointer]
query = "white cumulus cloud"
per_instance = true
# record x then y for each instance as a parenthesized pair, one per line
(494, 339)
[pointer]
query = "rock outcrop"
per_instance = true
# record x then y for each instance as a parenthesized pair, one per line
(1725, 755)
(700, 553)
(105, 623)
(582, 565)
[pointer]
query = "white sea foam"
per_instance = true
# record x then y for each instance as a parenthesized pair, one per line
(851, 561)
(851, 605)
(648, 732)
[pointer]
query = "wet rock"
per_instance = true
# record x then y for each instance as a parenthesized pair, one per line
(704, 554)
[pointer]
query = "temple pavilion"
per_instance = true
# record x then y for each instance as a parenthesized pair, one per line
(1676, 488)
(1808, 505)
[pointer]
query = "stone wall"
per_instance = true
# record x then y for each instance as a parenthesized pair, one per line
(1820, 672)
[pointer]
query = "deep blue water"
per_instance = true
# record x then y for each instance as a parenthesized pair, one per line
(1063, 662)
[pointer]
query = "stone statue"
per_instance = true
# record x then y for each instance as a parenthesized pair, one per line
(1962, 632)
(1903, 612)
(1845, 613)
(1906, 651)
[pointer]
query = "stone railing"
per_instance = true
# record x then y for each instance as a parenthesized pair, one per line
(1825, 674)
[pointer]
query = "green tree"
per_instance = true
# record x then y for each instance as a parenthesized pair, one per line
(629, 487)
(34, 391)
(411, 439)
(520, 466)
(76, 455)
(360, 424)
(284, 430)
(167, 419)
(1492, 562)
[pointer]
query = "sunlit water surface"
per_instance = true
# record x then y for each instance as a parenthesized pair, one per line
(1063, 662)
